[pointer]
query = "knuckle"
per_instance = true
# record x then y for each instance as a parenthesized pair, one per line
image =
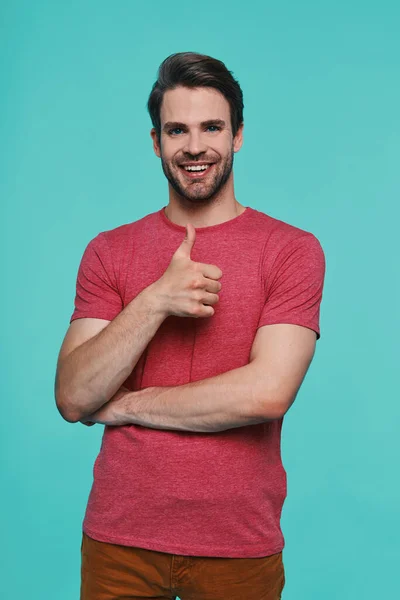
(196, 283)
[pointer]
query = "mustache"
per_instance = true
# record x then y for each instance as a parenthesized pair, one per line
(200, 161)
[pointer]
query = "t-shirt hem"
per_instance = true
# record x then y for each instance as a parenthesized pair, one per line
(90, 315)
(251, 551)
(291, 322)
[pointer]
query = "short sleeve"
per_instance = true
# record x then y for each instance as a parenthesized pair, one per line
(295, 285)
(97, 293)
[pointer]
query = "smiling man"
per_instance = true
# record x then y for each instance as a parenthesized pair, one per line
(192, 332)
(210, 141)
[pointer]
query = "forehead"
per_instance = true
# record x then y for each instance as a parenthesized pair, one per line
(193, 105)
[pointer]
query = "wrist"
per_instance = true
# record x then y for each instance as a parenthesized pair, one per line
(157, 298)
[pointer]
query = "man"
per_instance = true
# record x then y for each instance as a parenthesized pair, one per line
(192, 332)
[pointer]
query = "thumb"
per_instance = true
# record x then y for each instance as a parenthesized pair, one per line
(188, 242)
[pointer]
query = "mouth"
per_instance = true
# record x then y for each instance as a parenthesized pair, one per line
(196, 172)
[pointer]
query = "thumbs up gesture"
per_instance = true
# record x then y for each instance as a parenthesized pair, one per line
(188, 288)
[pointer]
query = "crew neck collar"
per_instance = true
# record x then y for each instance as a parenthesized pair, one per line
(224, 225)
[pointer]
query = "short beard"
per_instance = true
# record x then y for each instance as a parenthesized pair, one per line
(197, 192)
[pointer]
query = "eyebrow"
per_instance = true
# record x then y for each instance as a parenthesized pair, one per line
(176, 124)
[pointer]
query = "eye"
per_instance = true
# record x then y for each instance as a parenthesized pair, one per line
(215, 127)
(174, 130)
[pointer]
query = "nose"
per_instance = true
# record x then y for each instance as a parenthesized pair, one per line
(194, 143)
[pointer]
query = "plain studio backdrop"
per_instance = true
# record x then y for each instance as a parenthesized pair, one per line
(321, 151)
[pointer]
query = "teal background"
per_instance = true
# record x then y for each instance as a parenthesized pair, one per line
(321, 151)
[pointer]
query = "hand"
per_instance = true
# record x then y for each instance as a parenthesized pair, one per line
(188, 288)
(108, 414)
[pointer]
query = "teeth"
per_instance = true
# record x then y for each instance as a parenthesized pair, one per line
(197, 168)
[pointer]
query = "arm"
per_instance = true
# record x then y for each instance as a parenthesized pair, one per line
(99, 353)
(258, 392)
(223, 402)
(97, 356)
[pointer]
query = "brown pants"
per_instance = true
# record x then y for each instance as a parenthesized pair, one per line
(113, 572)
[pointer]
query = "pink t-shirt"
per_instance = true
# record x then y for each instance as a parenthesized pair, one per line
(198, 494)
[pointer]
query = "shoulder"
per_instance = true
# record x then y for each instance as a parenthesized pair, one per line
(283, 240)
(118, 238)
(280, 233)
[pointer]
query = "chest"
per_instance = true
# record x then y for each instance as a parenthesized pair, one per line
(187, 349)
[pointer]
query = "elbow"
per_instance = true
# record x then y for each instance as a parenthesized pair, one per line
(281, 412)
(67, 413)
(65, 407)
(275, 413)
(70, 417)
(274, 409)
(278, 408)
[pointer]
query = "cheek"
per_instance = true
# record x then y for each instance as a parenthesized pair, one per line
(170, 155)
(223, 148)
(170, 145)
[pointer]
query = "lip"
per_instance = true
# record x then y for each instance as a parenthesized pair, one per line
(196, 174)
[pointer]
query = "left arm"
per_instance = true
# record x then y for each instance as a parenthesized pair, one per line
(232, 399)
(258, 392)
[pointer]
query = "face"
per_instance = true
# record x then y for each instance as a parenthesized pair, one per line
(196, 146)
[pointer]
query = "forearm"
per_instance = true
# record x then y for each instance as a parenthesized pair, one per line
(232, 399)
(93, 372)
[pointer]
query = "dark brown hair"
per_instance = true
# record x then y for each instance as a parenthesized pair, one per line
(192, 70)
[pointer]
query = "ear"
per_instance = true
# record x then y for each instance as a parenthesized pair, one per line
(238, 139)
(156, 145)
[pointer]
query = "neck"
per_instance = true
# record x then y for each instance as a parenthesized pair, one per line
(214, 211)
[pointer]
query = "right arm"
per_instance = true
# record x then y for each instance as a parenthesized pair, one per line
(97, 355)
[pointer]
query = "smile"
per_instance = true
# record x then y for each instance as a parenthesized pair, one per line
(196, 171)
